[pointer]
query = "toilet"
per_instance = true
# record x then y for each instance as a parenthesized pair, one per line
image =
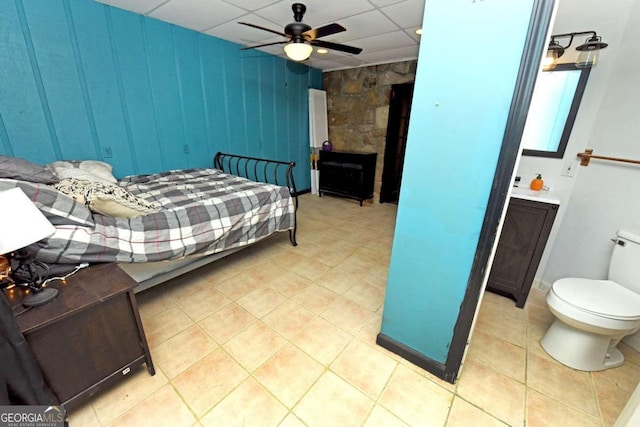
(592, 316)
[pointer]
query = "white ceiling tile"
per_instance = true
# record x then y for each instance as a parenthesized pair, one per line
(197, 14)
(394, 55)
(139, 6)
(318, 12)
(382, 3)
(364, 25)
(244, 34)
(406, 14)
(252, 5)
(393, 40)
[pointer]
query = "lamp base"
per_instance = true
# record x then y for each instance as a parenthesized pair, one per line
(41, 297)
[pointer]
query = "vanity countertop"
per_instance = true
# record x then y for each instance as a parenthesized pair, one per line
(543, 196)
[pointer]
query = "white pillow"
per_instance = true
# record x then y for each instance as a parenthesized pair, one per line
(86, 170)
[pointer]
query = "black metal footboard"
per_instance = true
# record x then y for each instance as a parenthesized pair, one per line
(262, 170)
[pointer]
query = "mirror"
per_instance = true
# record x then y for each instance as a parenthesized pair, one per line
(555, 103)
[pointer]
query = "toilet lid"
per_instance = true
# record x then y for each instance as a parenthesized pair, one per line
(602, 297)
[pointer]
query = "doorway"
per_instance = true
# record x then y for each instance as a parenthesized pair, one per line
(397, 129)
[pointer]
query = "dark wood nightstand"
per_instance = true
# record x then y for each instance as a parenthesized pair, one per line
(88, 337)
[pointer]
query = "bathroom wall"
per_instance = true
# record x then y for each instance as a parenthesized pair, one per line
(82, 80)
(604, 196)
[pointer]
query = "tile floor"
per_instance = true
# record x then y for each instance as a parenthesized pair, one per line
(277, 335)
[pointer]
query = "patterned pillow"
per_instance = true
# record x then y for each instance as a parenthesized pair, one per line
(106, 199)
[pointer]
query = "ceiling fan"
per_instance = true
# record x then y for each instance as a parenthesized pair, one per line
(301, 37)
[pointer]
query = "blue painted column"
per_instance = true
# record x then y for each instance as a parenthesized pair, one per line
(470, 53)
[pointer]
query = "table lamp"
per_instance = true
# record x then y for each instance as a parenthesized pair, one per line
(21, 224)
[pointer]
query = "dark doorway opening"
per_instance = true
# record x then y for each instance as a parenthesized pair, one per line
(397, 129)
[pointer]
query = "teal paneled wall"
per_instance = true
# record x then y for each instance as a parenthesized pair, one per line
(79, 79)
(460, 107)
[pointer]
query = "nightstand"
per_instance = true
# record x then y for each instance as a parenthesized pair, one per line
(89, 337)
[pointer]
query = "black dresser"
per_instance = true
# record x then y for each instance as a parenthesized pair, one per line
(347, 174)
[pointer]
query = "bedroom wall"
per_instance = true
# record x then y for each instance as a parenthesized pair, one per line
(82, 80)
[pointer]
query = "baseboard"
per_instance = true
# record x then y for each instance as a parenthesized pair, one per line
(418, 359)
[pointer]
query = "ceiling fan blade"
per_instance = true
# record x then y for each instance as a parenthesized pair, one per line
(262, 45)
(264, 29)
(336, 46)
(324, 31)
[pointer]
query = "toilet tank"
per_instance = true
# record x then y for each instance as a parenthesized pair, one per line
(624, 267)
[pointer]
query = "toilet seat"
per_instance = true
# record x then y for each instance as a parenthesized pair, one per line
(603, 298)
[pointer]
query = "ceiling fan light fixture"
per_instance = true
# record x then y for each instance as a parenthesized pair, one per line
(298, 50)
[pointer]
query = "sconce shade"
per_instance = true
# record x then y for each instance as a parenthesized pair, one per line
(298, 50)
(554, 51)
(589, 52)
(21, 223)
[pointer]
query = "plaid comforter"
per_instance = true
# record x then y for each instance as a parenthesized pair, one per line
(204, 211)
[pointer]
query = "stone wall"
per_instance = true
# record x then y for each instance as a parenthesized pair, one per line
(358, 108)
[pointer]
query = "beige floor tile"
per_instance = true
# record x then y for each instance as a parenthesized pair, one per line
(201, 304)
(465, 414)
(289, 374)
(238, 286)
(371, 329)
(613, 387)
(416, 400)
(493, 392)
(227, 322)
(315, 298)
(288, 283)
(543, 411)
(289, 318)
(265, 270)
(261, 301)
(338, 281)
(347, 315)
(500, 355)
(380, 417)
(207, 382)
(313, 340)
(557, 381)
(153, 301)
(163, 408)
(364, 367)
(182, 351)
(424, 373)
(309, 268)
(116, 400)
(247, 405)
(164, 325)
(332, 402)
(253, 346)
(83, 415)
(292, 421)
(367, 295)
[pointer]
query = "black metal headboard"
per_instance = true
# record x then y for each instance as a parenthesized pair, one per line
(261, 170)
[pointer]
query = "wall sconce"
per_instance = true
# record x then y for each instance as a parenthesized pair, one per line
(589, 51)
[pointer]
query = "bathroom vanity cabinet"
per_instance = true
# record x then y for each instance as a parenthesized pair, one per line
(524, 235)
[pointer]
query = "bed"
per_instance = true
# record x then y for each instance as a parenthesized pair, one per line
(188, 217)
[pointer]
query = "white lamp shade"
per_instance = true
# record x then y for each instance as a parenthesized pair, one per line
(298, 51)
(21, 223)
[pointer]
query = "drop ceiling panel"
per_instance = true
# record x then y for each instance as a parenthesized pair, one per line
(197, 14)
(383, 28)
(406, 14)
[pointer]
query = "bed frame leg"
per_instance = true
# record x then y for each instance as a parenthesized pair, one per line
(292, 236)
